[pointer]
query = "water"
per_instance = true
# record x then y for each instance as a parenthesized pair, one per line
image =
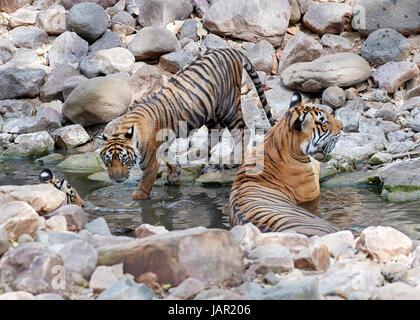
(191, 205)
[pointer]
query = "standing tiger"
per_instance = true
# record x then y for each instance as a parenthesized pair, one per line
(72, 197)
(206, 92)
(268, 198)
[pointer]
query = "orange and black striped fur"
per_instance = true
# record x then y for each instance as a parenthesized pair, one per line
(205, 92)
(72, 196)
(268, 194)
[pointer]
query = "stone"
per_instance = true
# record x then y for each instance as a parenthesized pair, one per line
(126, 289)
(80, 257)
(52, 89)
(67, 48)
(383, 243)
(56, 224)
(292, 241)
(123, 23)
(323, 18)
(350, 114)
(88, 20)
(371, 15)
(4, 241)
(212, 41)
(68, 4)
(28, 37)
(98, 241)
(13, 5)
(400, 175)
(4, 56)
(102, 278)
(17, 295)
(147, 230)
(44, 198)
(17, 218)
(70, 84)
(31, 267)
(56, 239)
(246, 235)
(387, 112)
(108, 40)
(200, 6)
(385, 45)
(161, 12)
(271, 257)
(397, 291)
(341, 69)
(48, 296)
(188, 288)
(357, 145)
(299, 48)
(399, 135)
(24, 59)
(75, 216)
(107, 61)
(177, 255)
(262, 56)
(380, 158)
(175, 61)
(392, 75)
(188, 30)
(313, 258)
(400, 147)
(85, 162)
(46, 119)
(23, 17)
(249, 20)
(98, 226)
(152, 42)
(410, 104)
(336, 242)
(335, 44)
(52, 20)
(19, 83)
(377, 126)
(334, 97)
(97, 100)
(415, 124)
(70, 136)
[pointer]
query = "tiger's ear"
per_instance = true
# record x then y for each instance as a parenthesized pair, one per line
(129, 134)
(296, 100)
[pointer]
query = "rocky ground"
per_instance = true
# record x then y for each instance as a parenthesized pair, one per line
(69, 69)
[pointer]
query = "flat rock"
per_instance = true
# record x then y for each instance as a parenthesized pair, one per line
(74, 215)
(358, 146)
(23, 17)
(85, 162)
(147, 230)
(328, 17)
(188, 288)
(28, 37)
(392, 75)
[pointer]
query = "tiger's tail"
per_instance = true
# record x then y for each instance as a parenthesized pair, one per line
(257, 83)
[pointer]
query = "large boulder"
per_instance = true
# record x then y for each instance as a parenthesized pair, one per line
(97, 100)
(20, 83)
(252, 20)
(341, 69)
(162, 12)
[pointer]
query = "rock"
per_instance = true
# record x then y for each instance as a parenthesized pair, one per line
(323, 18)
(335, 44)
(188, 288)
(340, 69)
(46, 119)
(56, 239)
(397, 291)
(357, 145)
(299, 48)
(56, 224)
(212, 41)
(28, 37)
(392, 75)
(102, 278)
(399, 135)
(350, 115)
(75, 216)
(246, 235)
(70, 136)
(336, 242)
(52, 158)
(109, 40)
(377, 126)
(415, 124)
(52, 20)
(249, 20)
(98, 241)
(161, 12)
(24, 59)
(175, 61)
(97, 100)
(177, 255)
(152, 42)
(53, 87)
(271, 258)
(23, 17)
(18, 83)
(32, 268)
(48, 296)
(410, 104)
(13, 5)
(17, 295)
(4, 241)
(88, 20)
(387, 112)
(68, 4)
(147, 230)
(383, 243)
(188, 30)
(123, 23)
(371, 15)
(218, 294)
(385, 45)
(312, 258)
(262, 56)
(400, 147)
(217, 177)
(85, 162)
(70, 84)
(80, 257)
(67, 48)
(98, 226)
(126, 289)
(292, 241)
(44, 198)
(334, 97)
(4, 56)
(18, 218)
(107, 61)
(146, 80)
(30, 145)
(380, 158)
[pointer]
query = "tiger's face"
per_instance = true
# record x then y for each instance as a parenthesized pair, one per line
(313, 127)
(120, 154)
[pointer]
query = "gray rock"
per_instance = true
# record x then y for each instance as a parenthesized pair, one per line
(6, 45)
(13, 5)
(88, 20)
(334, 97)
(152, 42)
(392, 75)
(249, 20)
(4, 241)
(212, 41)
(123, 23)
(75, 216)
(68, 4)
(107, 41)
(175, 61)
(399, 135)
(49, 239)
(18, 83)
(4, 56)
(46, 119)
(28, 37)
(385, 45)
(79, 256)
(400, 147)
(53, 87)
(67, 48)
(98, 226)
(48, 296)
(262, 56)
(327, 17)
(188, 30)
(70, 136)
(188, 288)
(387, 112)
(10, 109)
(71, 83)
(52, 20)
(350, 114)
(335, 44)
(126, 289)
(161, 12)
(358, 145)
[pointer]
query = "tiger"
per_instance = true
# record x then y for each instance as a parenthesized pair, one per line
(72, 196)
(268, 196)
(205, 92)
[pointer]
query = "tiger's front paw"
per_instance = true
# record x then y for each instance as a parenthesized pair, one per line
(170, 178)
(140, 195)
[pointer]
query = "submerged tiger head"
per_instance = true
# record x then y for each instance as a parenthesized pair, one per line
(120, 153)
(72, 196)
(312, 127)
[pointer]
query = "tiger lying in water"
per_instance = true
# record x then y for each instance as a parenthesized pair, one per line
(206, 92)
(268, 198)
(72, 196)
